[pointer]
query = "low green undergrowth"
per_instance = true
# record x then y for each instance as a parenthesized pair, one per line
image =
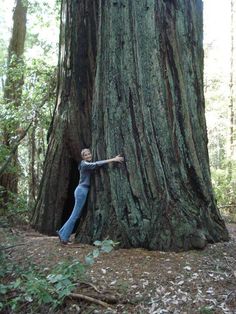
(224, 189)
(29, 288)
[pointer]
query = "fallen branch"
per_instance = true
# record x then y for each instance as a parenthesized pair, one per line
(111, 299)
(11, 246)
(87, 298)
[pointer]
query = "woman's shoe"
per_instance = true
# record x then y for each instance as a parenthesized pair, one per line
(62, 241)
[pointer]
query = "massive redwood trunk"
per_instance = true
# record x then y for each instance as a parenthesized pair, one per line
(131, 82)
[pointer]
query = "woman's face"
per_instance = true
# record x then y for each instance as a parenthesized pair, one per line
(87, 155)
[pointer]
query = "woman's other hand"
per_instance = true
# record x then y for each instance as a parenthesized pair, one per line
(118, 158)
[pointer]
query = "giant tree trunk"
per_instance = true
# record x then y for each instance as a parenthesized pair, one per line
(12, 93)
(133, 86)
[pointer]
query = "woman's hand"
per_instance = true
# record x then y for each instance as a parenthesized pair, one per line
(118, 158)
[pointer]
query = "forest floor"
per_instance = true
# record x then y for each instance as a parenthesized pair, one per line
(140, 281)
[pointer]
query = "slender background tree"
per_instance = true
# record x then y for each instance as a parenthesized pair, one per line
(231, 96)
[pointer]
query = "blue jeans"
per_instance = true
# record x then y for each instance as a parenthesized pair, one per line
(80, 198)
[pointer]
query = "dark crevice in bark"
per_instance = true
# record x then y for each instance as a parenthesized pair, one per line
(69, 202)
(134, 126)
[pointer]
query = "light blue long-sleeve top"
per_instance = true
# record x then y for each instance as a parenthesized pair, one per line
(86, 169)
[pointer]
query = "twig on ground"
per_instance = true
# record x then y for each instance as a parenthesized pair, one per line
(87, 298)
(91, 285)
(231, 297)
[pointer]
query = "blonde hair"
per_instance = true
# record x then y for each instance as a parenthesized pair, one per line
(83, 151)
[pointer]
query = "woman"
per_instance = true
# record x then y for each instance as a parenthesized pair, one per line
(86, 168)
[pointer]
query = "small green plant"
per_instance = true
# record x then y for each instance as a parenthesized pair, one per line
(122, 286)
(206, 310)
(101, 246)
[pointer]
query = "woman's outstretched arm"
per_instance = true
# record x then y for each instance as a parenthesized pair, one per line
(94, 165)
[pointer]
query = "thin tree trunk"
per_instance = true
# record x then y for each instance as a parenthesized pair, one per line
(40, 153)
(32, 161)
(134, 87)
(231, 98)
(13, 91)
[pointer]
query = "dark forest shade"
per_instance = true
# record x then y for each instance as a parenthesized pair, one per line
(131, 82)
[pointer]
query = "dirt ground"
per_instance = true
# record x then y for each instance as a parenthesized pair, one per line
(140, 281)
